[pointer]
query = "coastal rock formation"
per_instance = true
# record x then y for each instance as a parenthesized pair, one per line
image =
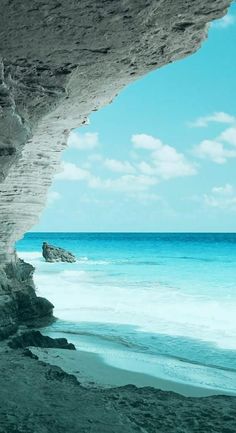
(35, 338)
(59, 61)
(18, 301)
(56, 254)
(62, 60)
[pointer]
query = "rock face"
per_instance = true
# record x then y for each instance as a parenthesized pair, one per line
(62, 60)
(18, 301)
(35, 338)
(56, 254)
(59, 61)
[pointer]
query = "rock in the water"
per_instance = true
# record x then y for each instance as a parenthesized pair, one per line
(56, 254)
(36, 339)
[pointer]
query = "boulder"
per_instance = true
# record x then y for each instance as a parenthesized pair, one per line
(19, 304)
(35, 338)
(56, 254)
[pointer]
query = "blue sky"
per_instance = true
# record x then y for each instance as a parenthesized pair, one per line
(162, 156)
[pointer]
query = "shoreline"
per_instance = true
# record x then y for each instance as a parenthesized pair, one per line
(93, 372)
(37, 396)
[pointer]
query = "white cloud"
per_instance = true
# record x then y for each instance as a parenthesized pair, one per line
(146, 168)
(223, 190)
(144, 141)
(166, 162)
(226, 21)
(53, 196)
(221, 197)
(214, 150)
(134, 178)
(119, 166)
(86, 141)
(217, 117)
(95, 157)
(220, 149)
(71, 171)
(126, 183)
(229, 136)
(130, 183)
(169, 163)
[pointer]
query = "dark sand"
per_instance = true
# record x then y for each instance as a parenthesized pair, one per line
(36, 397)
(91, 370)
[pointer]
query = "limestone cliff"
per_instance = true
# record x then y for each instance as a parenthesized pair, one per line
(60, 60)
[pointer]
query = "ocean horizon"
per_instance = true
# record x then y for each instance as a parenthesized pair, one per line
(157, 303)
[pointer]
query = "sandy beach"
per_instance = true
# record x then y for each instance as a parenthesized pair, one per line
(92, 372)
(42, 398)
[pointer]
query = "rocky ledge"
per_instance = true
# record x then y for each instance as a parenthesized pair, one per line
(56, 254)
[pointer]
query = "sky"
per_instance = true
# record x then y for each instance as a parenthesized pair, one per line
(161, 157)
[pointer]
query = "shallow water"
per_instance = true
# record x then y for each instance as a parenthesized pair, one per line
(158, 303)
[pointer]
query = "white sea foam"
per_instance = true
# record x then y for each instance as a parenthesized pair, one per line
(134, 305)
(30, 256)
(79, 296)
(159, 366)
(172, 369)
(86, 294)
(87, 261)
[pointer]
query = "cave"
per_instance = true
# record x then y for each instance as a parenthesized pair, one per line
(60, 61)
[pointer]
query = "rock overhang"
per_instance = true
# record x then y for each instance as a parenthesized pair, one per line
(61, 60)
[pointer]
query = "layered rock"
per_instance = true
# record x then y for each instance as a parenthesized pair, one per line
(62, 60)
(58, 62)
(19, 303)
(57, 254)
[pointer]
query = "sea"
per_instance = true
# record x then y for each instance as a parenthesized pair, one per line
(163, 304)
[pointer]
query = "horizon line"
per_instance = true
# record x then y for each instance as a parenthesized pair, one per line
(136, 232)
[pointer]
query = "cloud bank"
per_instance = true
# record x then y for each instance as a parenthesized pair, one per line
(154, 162)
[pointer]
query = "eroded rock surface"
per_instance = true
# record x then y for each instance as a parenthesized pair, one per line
(60, 61)
(57, 254)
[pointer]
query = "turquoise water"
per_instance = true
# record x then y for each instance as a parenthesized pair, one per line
(164, 304)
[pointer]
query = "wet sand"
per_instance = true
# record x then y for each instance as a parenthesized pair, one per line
(38, 397)
(91, 371)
